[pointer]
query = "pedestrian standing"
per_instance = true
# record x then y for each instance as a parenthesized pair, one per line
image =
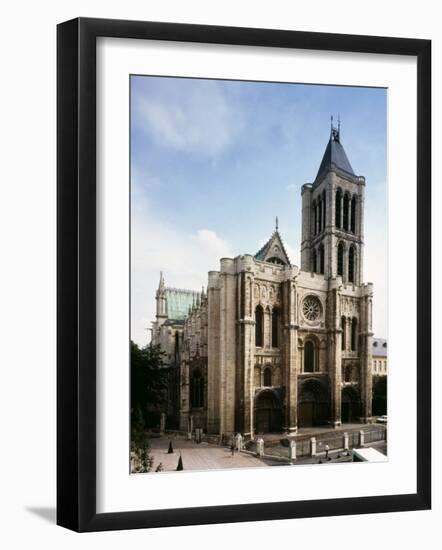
(327, 448)
(232, 448)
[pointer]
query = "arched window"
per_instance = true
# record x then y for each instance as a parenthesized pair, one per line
(324, 206)
(275, 260)
(346, 208)
(259, 326)
(318, 215)
(343, 338)
(314, 218)
(275, 328)
(268, 376)
(197, 390)
(351, 265)
(321, 259)
(354, 331)
(314, 264)
(340, 259)
(353, 214)
(177, 347)
(338, 208)
(309, 356)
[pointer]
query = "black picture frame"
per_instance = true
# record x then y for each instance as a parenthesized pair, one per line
(76, 273)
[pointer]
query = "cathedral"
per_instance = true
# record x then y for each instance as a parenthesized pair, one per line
(270, 347)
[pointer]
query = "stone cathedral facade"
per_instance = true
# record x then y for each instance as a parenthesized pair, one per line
(270, 347)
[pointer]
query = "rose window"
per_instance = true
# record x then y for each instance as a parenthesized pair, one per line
(311, 308)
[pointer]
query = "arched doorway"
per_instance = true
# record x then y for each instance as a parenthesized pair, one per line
(350, 405)
(268, 413)
(313, 404)
(196, 389)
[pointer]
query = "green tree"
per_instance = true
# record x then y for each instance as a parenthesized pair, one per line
(148, 379)
(379, 395)
(140, 445)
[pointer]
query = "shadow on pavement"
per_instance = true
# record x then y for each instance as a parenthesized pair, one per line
(46, 513)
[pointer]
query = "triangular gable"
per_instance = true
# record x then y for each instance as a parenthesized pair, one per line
(273, 251)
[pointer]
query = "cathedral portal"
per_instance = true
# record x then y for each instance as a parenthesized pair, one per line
(268, 412)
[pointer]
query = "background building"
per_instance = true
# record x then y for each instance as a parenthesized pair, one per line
(379, 369)
(379, 354)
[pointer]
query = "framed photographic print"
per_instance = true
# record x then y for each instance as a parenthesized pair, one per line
(243, 274)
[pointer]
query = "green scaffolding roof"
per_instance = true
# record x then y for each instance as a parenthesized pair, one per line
(179, 301)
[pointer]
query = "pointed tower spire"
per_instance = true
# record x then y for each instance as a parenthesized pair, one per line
(161, 299)
(276, 223)
(334, 155)
(161, 284)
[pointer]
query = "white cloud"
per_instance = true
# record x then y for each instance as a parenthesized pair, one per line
(203, 121)
(213, 245)
(375, 272)
(376, 263)
(184, 258)
(293, 253)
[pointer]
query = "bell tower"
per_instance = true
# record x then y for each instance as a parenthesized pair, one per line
(332, 240)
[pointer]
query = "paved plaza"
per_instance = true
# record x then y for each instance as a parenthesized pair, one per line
(202, 456)
(207, 456)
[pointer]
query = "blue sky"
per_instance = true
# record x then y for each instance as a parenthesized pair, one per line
(213, 163)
